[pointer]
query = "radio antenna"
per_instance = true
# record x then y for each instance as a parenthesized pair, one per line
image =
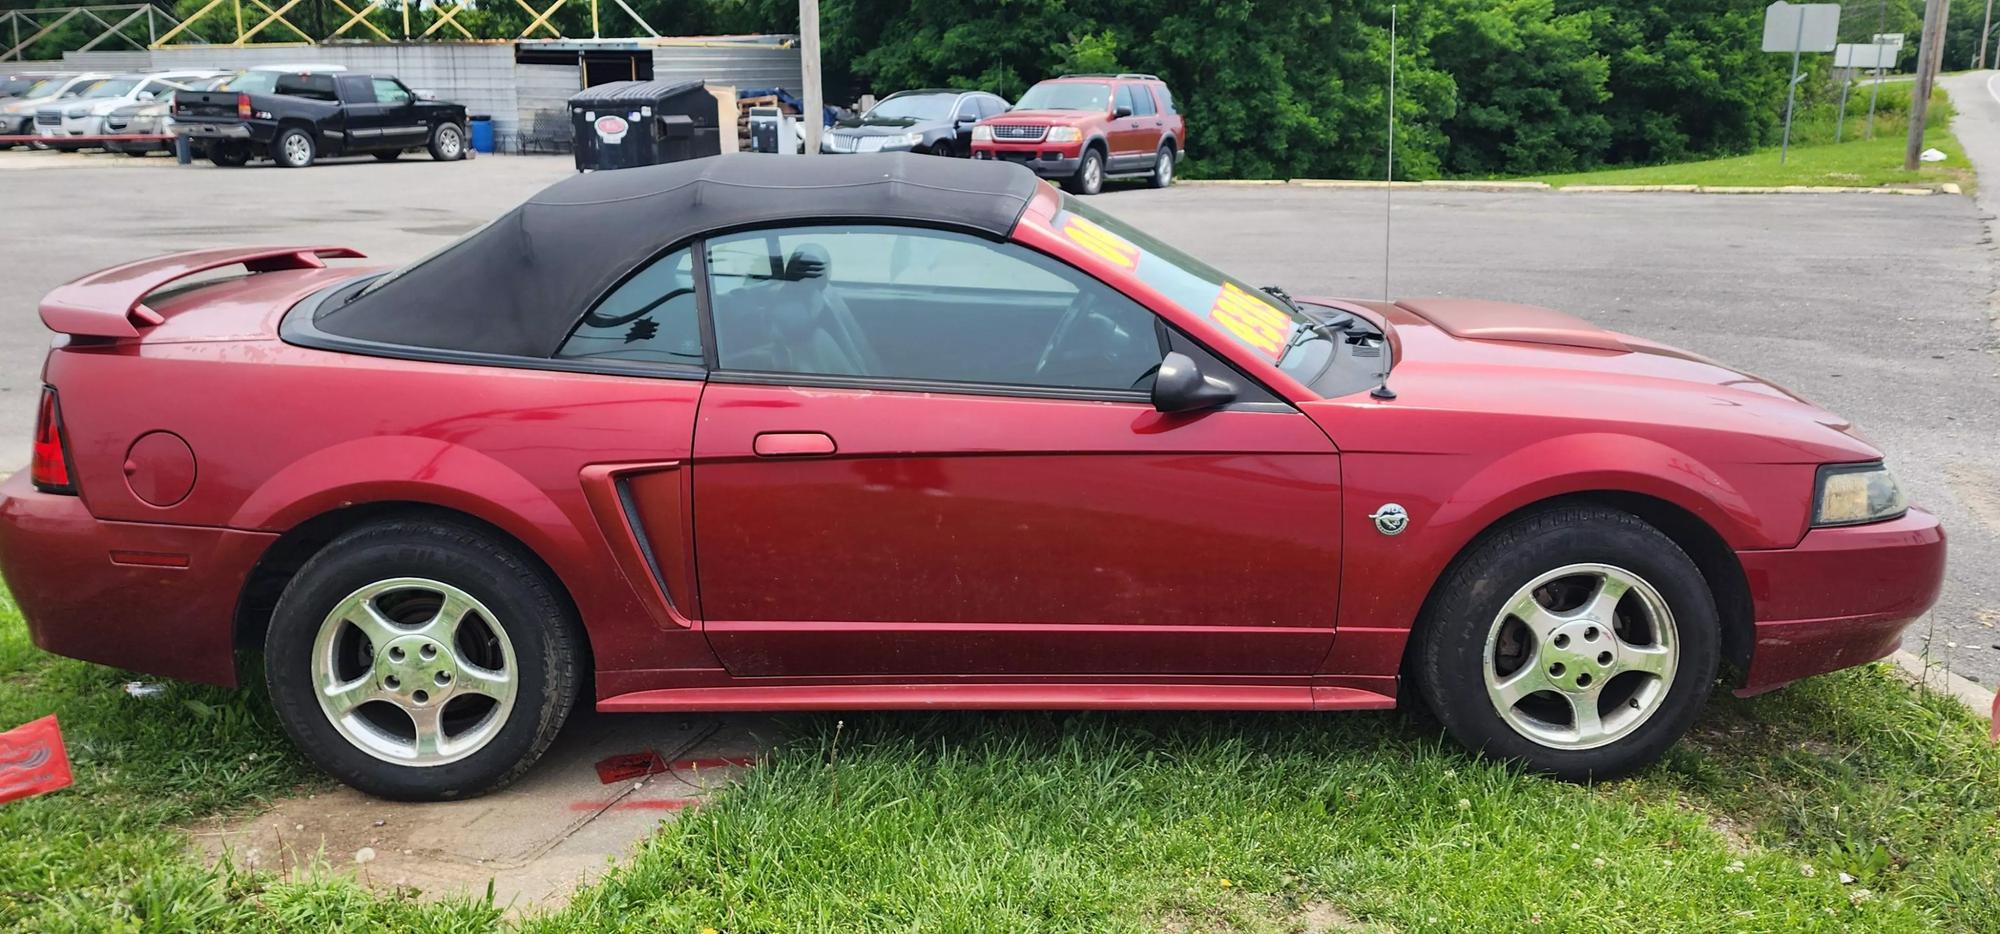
(1382, 390)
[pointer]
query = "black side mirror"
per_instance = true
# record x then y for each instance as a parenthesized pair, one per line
(1178, 386)
(1120, 113)
(966, 119)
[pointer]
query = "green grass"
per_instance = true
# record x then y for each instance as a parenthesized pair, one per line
(1101, 822)
(1815, 159)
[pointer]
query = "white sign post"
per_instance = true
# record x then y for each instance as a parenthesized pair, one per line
(1796, 28)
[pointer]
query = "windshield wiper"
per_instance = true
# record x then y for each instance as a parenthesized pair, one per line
(1282, 296)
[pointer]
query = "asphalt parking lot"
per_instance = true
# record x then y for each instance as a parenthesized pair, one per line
(1874, 306)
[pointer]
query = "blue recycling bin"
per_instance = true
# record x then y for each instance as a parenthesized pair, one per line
(482, 132)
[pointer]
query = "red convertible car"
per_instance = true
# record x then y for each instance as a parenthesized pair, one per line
(897, 432)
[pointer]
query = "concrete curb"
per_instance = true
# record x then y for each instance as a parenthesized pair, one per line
(1937, 678)
(1230, 182)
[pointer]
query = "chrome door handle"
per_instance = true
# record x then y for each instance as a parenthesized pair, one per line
(793, 444)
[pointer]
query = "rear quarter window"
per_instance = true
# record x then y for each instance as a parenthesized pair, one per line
(1166, 99)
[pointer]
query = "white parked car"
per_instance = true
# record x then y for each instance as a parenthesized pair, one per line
(17, 117)
(84, 115)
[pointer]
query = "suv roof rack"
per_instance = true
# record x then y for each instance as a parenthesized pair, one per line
(1132, 75)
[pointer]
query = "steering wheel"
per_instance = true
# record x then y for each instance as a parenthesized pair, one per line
(1082, 301)
(596, 320)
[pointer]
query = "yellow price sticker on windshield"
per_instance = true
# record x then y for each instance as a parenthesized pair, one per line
(1252, 321)
(1106, 245)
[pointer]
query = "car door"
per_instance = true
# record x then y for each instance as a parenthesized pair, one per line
(1129, 144)
(964, 114)
(1150, 125)
(403, 123)
(361, 118)
(924, 453)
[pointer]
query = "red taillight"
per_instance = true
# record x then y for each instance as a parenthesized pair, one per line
(243, 105)
(50, 469)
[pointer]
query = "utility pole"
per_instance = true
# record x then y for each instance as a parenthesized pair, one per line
(815, 115)
(1928, 52)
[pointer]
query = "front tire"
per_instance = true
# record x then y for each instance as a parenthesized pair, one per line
(293, 148)
(1089, 177)
(389, 156)
(422, 661)
(1578, 641)
(447, 143)
(943, 148)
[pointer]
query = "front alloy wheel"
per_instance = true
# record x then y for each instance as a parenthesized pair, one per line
(1577, 640)
(1581, 656)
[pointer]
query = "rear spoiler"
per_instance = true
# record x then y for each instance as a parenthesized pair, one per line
(112, 302)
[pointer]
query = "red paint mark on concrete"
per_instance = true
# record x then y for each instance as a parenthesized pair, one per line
(638, 804)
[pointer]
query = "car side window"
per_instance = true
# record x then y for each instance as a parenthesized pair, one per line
(968, 109)
(1166, 99)
(651, 318)
(919, 304)
(387, 91)
(1142, 100)
(311, 87)
(992, 106)
(1124, 99)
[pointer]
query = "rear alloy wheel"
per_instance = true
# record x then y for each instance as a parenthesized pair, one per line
(447, 142)
(422, 661)
(1163, 168)
(294, 148)
(1089, 177)
(1579, 641)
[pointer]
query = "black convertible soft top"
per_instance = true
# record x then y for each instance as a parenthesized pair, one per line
(517, 285)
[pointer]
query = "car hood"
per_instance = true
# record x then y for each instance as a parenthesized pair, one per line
(893, 127)
(1525, 360)
(1043, 117)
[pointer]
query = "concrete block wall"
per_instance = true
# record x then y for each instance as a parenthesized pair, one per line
(480, 76)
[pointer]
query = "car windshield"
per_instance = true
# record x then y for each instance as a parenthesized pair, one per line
(1066, 95)
(82, 89)
(913, 107)
(14, 86)
(42, 88)
(115, 87)
(1249, 315)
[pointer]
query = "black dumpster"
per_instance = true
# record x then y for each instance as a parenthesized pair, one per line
(627, 123)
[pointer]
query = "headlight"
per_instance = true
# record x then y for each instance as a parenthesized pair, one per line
(982, 134)
(1848, 494)
(1064, 134)
(76, 111)
(904, 141)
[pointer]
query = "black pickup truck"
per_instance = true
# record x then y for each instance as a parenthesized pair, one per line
(296, 117)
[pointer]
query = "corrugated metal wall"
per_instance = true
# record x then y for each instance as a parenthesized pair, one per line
(741, 66)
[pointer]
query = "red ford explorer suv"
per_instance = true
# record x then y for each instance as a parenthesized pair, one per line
(1083, 128)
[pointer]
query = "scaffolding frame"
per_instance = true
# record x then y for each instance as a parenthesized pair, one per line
(42, 21)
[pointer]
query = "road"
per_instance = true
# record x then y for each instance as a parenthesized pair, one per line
(1875, 306)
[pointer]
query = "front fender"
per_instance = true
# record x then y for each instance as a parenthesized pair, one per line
(1452, 498)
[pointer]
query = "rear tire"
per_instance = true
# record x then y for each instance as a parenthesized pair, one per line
(229, 155)
(1578, 641)
(421, 660)
(1163, 167)
(294, 148)
(447, 143)
(1089, 177)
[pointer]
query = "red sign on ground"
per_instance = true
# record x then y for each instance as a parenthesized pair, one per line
(32, 760)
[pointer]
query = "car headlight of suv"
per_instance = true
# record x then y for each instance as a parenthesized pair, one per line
(1064, 134)
(982, 133)
(904, 141)
(76, 111)
(1850, 494)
